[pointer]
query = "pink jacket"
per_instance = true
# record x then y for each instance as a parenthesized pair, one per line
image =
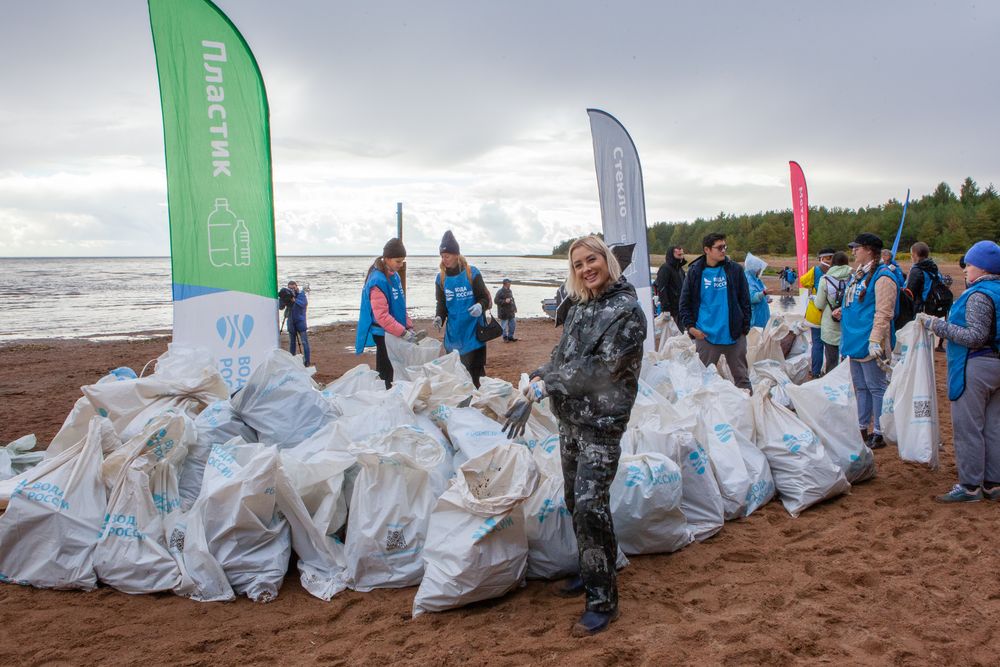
(380, 309)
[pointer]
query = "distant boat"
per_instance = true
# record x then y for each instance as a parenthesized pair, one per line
(549, 306)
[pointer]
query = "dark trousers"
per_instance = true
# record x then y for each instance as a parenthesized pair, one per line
(297, 333)
(589, 464)
(817, 354)
(832, 353)
(382, 363)
(475, 363)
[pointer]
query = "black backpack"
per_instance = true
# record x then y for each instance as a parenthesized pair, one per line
(939, 298)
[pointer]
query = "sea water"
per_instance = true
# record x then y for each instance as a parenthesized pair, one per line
(129, 297)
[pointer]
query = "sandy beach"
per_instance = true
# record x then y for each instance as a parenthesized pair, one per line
(880, 576)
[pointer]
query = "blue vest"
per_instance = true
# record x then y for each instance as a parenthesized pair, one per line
(858, 317)
(713, 312)
(760, 312)
(460, 328)
(392, 288)
(958, 355)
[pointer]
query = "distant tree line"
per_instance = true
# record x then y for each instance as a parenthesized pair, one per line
(947, 222)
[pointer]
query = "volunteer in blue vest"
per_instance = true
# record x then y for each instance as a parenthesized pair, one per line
(297, 327)
(973, 334)
(811, 281)
(383, 308)
(760, 311)
(867, 331)
(462, 298)
(715, 309)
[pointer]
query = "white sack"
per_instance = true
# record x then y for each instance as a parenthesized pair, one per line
(829, 407)
(701, 499)
(552, 551)
(472, 434)
(132, 554)
(17, 457)
(494, 397)
(184, 379)
(359, 378)
(715, 432)
(77, 422)
(391, 506)
(281, 403)
(441, 474)
(910, 410)
(803, 472)
(450, 385)
(646, 498)
(217, 424)
(476, 545)
(50, 527)
(405, 357)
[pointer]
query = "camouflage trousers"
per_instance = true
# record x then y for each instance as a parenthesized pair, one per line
(589, 464)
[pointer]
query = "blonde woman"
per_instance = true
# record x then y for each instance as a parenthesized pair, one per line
(462, 298)
(593, 379)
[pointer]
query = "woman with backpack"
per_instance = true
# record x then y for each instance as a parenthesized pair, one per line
(829, 298)
(973, 334)
(383, 308)
(462, 298)
(868, 331)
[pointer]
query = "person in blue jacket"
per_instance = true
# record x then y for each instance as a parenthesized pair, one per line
(383, 308)
(973, 334)
(760, 311)
(462, 298)
(297, 328)
(715, 309)
(868, 331)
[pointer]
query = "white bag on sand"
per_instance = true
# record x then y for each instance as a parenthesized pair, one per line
(701, 500)
(318, 479)
(441, 474)
(132, 553)
(17, 457)
(472, 434)
(803, 472)
(450, 385)
(50, 527)
(281, 403)
(494, 397)
(828, 406)
(184, 379)
(390, 508)
(359, 378)
(762, 489)
(75, 426)
(909, 410)
(236, 523)
(405, 357)
(476, 545)
(552, 551)
(646, 498)
(215, 425)
(714, 431)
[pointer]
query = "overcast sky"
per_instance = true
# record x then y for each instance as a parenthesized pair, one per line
(473, 114)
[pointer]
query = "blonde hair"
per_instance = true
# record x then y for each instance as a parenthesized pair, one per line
(575, 287)
(462, 264)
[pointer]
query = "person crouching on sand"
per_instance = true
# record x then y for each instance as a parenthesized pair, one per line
(973, 334)
(592, 378)
(462, 298)
(383, 308)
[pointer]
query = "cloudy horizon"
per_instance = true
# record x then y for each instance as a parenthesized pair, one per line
(473, 115)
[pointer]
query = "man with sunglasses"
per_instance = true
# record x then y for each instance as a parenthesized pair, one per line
(715, 309)
(868, 331)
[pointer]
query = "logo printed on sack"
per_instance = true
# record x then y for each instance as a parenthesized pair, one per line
(655, 476)
(796, 442)
(698, 460)
(724, 432)
(491, 525)
(833, 394)
(758, 492)
(45, 493)
(234, 330)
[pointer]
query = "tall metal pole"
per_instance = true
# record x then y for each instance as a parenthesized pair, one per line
(399, 235)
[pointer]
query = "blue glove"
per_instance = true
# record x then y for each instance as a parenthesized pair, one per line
(476, 309)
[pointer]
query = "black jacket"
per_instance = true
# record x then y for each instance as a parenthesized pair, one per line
(917, 280)
(738, 292)
(505, 310)
(669, 280)
(593, 375)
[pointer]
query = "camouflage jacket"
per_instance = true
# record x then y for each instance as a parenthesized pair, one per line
(593, 374)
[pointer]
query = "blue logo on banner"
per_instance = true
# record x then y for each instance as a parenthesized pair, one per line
(234, 330)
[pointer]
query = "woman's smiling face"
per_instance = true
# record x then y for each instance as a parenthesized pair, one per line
(591, 268)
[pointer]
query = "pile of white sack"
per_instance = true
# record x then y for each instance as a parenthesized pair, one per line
(166, 483)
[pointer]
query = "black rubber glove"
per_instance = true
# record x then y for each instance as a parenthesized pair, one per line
(517, 419)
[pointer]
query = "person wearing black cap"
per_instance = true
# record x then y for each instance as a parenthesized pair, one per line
(669, 280)
(506, 308)
(462, 298)
(973, 334)
(868, 331)
(814, 316)
(383, 308)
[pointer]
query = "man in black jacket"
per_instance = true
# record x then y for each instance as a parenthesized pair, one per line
(715, 309)
(669, 280)
(506, 309)
(919, 280)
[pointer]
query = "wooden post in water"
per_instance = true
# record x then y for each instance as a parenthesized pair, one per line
(399, 235)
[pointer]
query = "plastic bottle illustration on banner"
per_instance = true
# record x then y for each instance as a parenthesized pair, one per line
(221, 234)
(241, 244)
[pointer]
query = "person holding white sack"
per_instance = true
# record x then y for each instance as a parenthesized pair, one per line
(593, 379)
(383, 308)
(973, 334)
(868, 333)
